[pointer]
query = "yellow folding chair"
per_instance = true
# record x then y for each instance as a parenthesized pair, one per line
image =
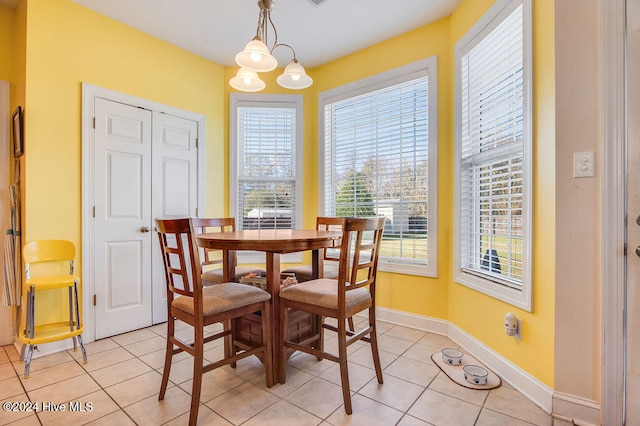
(50, 251)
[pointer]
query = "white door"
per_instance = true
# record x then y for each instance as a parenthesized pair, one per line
(146, 167)
(633, 214)
(175, 187)
(122, 218)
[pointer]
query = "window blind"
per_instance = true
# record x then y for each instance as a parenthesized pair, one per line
(266, 168)
(376, 163)
(492, 154)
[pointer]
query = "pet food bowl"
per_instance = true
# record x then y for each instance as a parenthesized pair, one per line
(452, 356)
(475, 374)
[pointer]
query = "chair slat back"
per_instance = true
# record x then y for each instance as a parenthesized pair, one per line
(359, 251)
(205, 225)
(181, 259)
(324, 223)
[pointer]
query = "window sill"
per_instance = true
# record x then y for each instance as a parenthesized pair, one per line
(516, 297)
(418, 270)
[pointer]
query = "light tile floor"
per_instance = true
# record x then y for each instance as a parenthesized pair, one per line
(122, 378)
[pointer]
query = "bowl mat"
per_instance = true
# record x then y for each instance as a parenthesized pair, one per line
(456, 374)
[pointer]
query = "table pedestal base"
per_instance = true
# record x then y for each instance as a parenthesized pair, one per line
(302, 325)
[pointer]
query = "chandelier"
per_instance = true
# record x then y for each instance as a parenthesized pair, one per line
(257, 57)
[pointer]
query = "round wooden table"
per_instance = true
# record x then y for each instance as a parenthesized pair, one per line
(273, 243)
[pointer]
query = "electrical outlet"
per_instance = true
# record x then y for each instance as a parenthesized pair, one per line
(583, 164)
(518, 335)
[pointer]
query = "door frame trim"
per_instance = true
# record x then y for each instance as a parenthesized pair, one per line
(89, 93)
(614, 171)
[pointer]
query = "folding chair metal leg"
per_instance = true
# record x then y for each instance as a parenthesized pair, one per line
(23, 352)
(84, 352)
(28, 361)
(79, 336)
(71, 327)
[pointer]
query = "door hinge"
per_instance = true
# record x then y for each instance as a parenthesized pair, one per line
(94, 122)
(94, 300)
(197, 212)
(94, 211)
(197, 141)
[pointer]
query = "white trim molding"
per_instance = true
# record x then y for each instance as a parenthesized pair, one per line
(514, 292)
(613, 209)
(89, 94)
(579, 411)
(427, 67)
(536, 391)
(420, 322)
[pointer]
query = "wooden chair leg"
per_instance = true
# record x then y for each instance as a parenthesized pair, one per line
(319, 345)
(168, 356)
(351, 326)
(344, 366)
(198, 358)
(284, 332)
(374, 344)
(229, 348)
(266, 341)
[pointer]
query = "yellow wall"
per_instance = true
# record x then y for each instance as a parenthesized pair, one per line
(12, 50)
(477, 314)
(483, 316)
(13, 68)
(68, 44)
(7, 22)
(417, 295)
(87, 47)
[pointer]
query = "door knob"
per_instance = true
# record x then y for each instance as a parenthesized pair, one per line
(144, 229)
(638, 220)
(638, 251)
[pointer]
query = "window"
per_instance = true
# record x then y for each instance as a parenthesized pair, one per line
(378, 143)
(493, 154)
(265, 163)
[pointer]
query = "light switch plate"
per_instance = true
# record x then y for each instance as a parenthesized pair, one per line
(583, 164)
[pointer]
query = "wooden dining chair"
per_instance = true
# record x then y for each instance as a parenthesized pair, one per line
(353, 292)
(214, 276)
(329, 270)
(304, 272)
(198, 306)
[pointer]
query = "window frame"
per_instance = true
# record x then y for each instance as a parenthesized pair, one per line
(425, 67)
(523, 296)
(238, 100)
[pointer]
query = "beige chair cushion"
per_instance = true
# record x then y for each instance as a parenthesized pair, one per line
(303, 272)
(323, 292)
(214, 276)
(222, 298)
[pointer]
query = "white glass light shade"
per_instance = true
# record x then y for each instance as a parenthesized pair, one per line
(247, 81)
(294, 77)
(256, 57)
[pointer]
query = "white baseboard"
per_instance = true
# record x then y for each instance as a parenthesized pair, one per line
(581, 411)
(420, 322)
(536, 391)
(539, 393)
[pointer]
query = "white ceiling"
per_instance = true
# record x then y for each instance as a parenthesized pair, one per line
(218, 29)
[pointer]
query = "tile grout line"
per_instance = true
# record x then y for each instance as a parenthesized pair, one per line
(103, 390)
